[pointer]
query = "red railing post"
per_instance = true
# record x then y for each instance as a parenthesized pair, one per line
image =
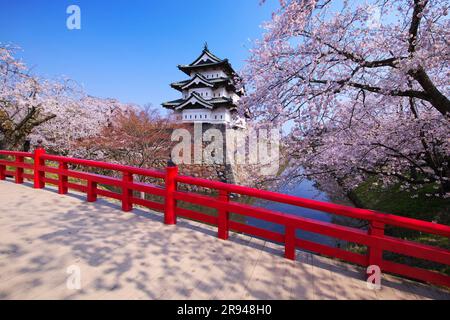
(127, 193)
(2, 172)
(289, 242)
(223, 216)
(171, 187)
(19, 170)
(62, 178)
(92, 192)
(38, 174)
(375, 256)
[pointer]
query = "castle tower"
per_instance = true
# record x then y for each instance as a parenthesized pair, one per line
(210, 95)
(209, 98)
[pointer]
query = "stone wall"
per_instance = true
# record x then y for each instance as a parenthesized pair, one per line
(225, 172)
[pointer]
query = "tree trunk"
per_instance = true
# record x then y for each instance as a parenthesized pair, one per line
(436, 98)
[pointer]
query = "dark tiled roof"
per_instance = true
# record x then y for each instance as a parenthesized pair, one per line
(224, 65)
(215, 102)
(216, 82)
(211, 58)
(173, 102)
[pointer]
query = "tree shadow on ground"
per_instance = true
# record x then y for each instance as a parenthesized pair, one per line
(135, 256)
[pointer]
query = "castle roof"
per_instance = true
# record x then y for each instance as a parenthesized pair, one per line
(220, 84)
(195, 100)
(207, 60)
(200, 81)
(206, 57)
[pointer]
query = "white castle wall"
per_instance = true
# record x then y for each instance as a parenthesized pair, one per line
(219, 115)
(210, 74)
(205, 93)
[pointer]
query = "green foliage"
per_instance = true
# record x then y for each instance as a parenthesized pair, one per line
(396, 201)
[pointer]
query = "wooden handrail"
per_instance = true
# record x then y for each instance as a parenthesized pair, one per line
(374, 238)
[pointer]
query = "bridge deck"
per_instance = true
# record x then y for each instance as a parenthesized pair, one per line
(135, 256)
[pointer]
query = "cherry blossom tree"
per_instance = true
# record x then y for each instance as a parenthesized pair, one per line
(363, 97)
(22, 100)
(136, 137)
(77, 119)
(57, 112)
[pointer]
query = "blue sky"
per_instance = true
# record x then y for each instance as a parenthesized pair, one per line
(129, 49)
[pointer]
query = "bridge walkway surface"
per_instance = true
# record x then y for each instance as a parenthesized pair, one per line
(46, 238)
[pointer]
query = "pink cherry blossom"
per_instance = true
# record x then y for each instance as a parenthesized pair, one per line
(363, 99)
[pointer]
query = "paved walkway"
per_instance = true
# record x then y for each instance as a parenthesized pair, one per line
(135, 256)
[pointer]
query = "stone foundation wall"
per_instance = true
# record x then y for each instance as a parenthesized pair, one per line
(240, 174)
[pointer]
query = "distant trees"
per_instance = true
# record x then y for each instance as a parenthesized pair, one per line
(58, 112)
(135, 137)
(366, 98)
(70, 122)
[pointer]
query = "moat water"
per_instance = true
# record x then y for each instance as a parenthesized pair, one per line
(304, 189)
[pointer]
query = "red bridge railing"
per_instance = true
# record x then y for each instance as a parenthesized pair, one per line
(374, 238)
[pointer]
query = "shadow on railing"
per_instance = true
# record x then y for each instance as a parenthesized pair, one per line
(374, 238)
